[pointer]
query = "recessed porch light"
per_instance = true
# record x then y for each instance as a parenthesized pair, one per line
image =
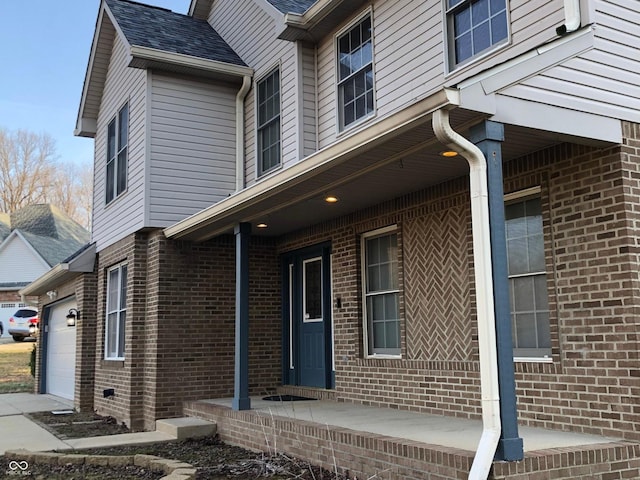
(449, 153)
(261, 225)
(330, 199)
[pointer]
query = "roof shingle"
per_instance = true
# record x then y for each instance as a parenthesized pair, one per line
(292, 6)
(50, 232)
(162, 29)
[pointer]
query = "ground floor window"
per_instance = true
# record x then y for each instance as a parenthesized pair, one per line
(381, 292)
(116, 312)
(527, 277)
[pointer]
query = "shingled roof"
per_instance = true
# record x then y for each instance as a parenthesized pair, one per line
(292, 6)
(162, 29)
(49, 231)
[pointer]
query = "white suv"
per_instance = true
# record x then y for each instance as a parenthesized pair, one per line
(20, 322)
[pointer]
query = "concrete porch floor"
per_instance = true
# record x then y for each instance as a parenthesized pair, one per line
(458, 433)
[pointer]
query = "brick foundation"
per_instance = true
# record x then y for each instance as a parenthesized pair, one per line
(367, 455)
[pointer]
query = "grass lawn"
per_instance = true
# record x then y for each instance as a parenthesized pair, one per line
(15, 375)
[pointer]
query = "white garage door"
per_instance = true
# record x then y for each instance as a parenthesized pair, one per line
(61, 352)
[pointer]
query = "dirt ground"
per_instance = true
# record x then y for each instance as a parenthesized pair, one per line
(212, 458)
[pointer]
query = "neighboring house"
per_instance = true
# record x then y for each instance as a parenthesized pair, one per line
(32, 240)
(303, 184)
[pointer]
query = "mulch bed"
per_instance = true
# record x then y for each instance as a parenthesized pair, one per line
(78, 424)
(213, 459)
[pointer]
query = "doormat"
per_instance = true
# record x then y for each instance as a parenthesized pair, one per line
(286, 398)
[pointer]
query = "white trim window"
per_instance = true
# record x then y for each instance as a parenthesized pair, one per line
(269, 150)
(355, 73)
(474, 26)
(116, 316)
(381, 292)
(117, 147)
(527, 278)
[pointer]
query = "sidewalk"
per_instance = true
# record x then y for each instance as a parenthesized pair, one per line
(17, 431)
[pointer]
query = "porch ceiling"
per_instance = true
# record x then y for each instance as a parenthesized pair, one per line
(377, 172)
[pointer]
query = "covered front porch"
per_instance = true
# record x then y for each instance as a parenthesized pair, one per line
(385, 443)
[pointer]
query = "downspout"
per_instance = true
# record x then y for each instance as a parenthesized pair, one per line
(242, 94)
(571, 17)
(484, 292)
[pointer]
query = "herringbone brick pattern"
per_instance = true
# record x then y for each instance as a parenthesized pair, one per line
(437, 286)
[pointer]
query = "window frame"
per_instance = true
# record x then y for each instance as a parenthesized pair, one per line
(381, 232)
(260, 172)
(117, 190)
(449, 33)
(119, 349)
(340, 125)
(538, 354)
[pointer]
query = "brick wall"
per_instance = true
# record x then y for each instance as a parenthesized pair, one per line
(181, 320)
(10, 296)
(123, 376)
(590, 200)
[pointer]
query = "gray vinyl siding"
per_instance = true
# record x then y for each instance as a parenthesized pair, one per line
(192, 147)
(410, 53)
(309, 106)
(257, 45)
(604, 80)
(125, 214)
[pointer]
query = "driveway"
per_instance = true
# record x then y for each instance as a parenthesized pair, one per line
(20, 432)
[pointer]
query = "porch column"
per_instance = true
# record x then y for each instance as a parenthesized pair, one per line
(488, 137)
(241, 400)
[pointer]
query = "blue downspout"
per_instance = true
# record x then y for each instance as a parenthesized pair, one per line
(241, 400)
(488, 137)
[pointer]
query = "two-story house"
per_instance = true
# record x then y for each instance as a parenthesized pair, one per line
(421, 206)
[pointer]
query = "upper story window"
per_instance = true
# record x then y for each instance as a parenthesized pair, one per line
(117, 143)
(355, 73)
(269, 150)
(116, 313)
(527, 278)
(381, 292)
(474, 26)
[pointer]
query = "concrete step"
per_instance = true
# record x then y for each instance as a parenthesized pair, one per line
(186, 427)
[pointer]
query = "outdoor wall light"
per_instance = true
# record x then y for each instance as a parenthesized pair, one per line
(72, 316)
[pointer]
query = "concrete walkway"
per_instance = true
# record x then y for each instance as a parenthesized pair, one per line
(17, 431)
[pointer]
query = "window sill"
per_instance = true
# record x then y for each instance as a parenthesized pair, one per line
(354, 127)
(532, 360)
(115, 363)
(383, 357)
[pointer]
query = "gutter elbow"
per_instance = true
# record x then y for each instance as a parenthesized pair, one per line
(571, 17)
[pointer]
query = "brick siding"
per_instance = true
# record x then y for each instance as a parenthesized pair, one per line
(185, 323)
(590, 221)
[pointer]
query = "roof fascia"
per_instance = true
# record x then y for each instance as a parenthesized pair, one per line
(83, 127)
(310, 165)
(309, 19)
(141, 55)
(62, 273)
(200, 9)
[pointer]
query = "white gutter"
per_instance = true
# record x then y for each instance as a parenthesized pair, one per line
(242, 94)
(571, 17)
(484, 292)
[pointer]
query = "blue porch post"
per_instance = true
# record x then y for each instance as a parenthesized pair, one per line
(241, 400)
(488, 136)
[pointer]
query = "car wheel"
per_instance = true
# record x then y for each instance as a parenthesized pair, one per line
(18, 338)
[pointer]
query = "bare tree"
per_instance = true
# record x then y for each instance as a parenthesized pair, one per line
(27, 162)
(72, 191)
(31, 173)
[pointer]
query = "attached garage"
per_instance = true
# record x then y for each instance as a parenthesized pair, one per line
(60, 350)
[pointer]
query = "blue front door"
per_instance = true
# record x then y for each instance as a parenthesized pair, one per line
(309, 319)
